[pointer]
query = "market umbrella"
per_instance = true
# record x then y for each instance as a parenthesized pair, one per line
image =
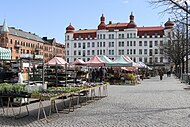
(120, 62)
(95, 61)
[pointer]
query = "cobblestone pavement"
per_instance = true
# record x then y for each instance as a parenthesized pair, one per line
(153, 103)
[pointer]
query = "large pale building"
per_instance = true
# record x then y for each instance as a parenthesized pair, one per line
(141, 44)
(29, 45)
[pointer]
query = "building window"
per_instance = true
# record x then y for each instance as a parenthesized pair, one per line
(131, 51)
(109, 52)
(93, 44)
(131, 43)
(11, 41)
(131, 36)
(140, 43)
(156, 51)
(155, 43)
(145, 51)
(104, 36)
(119, 52)
(150, 52)
(67, 37)
(112, 36)
(104, 52)
(134, 34)
(67, 53)
(109, 44)
(119, 43)
(75, 45)
(150, 44)
(127, 35)
(98, 52)
(75, 53)
(156, 60)
(127, 43)
(134, 59)
(93, 52)
(134, 43)
(134, 51)
(104, 44)
(67, 45)
(161, 43)
(128, 51)
(140, 59)
(161, 59)
(79, 53)
(109, 36)
(68, 60)
(98, 44)
(79, 45)
(145, 43)
(88, 44)
(112, 52)
(17, 51)
(122, 36)
(145, 60)
(84, 53)
(112, 44)
(84, 46)
(150, 60)
(161, 51)
(140, 51)
(88, 52)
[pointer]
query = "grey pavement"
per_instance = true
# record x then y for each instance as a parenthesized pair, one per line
(153, 103)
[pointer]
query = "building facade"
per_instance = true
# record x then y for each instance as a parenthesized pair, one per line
(29, 45)
(141, 44)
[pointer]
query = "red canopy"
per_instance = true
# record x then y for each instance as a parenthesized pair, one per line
(95, 61)
(79, 62)
(56, 60)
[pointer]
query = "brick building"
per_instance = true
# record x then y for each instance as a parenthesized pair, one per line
(29, 45)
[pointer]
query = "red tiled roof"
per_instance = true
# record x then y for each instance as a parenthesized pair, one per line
(85, 33)
(159, 30)
(151, 28)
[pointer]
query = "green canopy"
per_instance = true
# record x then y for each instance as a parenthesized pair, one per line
(120, 62)
(105, 59)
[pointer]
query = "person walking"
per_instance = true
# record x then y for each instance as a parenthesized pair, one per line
(161, 74)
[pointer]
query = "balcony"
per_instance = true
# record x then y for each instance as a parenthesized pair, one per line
(17, 45)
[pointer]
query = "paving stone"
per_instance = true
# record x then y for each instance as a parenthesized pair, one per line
(153, 103)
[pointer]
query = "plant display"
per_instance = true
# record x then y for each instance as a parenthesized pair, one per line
(12, 90)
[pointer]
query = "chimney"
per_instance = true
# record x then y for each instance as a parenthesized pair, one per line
(110, 22)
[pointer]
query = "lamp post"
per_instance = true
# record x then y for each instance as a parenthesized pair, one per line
(187, 44)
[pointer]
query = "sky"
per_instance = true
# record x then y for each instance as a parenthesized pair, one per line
(51, 17)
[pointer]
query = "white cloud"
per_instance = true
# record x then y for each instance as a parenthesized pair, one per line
(125, 1)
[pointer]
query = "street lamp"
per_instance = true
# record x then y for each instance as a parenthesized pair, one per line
(187, 44)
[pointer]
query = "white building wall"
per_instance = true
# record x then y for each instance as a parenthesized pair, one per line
(108, 49)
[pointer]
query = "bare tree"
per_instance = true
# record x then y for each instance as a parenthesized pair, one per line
(171, 5)
(174, 47)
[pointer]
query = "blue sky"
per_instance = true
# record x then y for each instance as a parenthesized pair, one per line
(51, 17)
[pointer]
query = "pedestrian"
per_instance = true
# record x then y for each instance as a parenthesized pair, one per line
(161, 74)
